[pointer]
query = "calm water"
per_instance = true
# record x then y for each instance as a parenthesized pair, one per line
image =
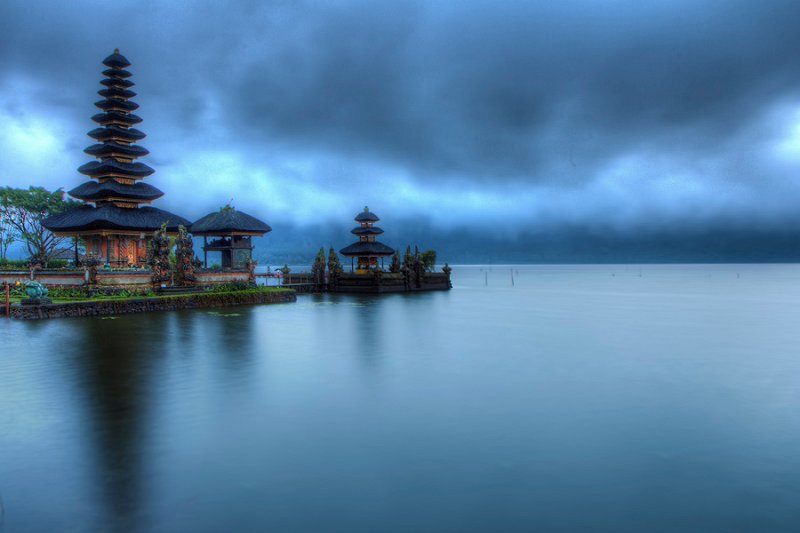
(583, 398)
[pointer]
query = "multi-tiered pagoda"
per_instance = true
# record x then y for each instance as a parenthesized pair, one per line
(367, 249)
(113, 222)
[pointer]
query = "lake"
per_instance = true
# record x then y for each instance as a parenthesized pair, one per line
(581, 398)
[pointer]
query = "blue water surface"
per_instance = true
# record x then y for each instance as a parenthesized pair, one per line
(579, 398)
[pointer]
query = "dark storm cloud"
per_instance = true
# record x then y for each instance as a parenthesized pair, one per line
(616, 113)
(520, 90)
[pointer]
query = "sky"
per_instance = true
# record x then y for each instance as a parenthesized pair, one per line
(487, 119)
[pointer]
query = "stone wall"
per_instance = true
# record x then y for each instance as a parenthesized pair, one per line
(124, 279)
(389, 282)
(139, 279)
(386, 282)
(51, 278)
(142, 305)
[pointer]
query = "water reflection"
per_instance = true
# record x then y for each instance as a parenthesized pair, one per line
(119, 359)
(367, 321)
(228, 333)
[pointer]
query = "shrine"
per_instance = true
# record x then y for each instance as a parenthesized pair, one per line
(367, 250)
(234, 231)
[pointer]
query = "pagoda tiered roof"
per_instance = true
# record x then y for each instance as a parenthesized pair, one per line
(114, 168)
(92, 190)
(366, 246)
(368, 230)
(117, 82)
(115, 117)
(116, 189)
(116, 60)
(110, 217)
(367, 216)
(115, 132)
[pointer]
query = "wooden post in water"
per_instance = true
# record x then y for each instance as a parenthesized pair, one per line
(512, 277)
(486, 278)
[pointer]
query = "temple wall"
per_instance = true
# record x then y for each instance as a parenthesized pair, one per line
(114, 278)
(369, 283)
(50, 278)
(60, 278)
(387, 282)
(141, 280)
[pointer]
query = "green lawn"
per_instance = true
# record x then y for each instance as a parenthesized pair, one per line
(77, 299)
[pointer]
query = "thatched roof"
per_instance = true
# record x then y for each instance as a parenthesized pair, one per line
(92, 190)
(367, 216)
(371, 230)
(229, 221)
(363, 249)
(112, 217)
(116, 60)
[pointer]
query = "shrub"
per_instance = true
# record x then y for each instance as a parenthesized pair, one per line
(231, 286)
(67, 293)
(428, 258)
(13, 264)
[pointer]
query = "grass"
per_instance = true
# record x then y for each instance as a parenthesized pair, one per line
(15, 299)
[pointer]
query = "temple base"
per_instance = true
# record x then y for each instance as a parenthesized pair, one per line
(36, 301)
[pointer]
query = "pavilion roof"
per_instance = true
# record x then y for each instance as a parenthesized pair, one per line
(229, 221)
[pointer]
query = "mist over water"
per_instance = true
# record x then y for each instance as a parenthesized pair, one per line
(580, 398)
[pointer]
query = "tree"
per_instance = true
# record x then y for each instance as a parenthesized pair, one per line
(334, 265)
(395, 262)
(6, 237)
(318, 268)
(24, 210)
(408, 259)
(428, 258)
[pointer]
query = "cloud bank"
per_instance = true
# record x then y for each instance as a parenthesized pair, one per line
(619, 116)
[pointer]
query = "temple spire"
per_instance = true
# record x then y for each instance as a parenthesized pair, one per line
(113, 222)
(367, 249)
(116, 170)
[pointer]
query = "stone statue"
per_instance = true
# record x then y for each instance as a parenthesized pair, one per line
(37, 294)
(251, 270)
(90, 262)
(158, 256)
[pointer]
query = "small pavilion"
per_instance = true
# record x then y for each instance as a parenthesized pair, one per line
(367, 250)
(231, 233)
